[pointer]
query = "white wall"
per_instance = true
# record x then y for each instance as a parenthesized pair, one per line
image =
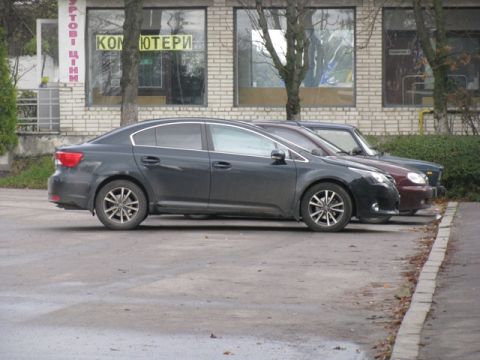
(27, 71)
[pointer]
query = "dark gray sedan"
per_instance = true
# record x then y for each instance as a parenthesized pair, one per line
(206, 166)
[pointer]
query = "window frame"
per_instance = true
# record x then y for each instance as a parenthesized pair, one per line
(202, 135)
(87, 56)
(236, 104)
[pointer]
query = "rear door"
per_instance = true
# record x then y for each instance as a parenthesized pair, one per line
(245, 180)
(174, 160)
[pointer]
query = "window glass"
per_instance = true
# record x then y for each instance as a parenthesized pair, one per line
(293, 136)
(340, 138)
(330, 78)
(180, 136)
(172, 56)
(145, 138)
(408, 79)
(365, 144)
(233, 140)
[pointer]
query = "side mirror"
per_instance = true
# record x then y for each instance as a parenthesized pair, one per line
(357, 151)
(278, 155)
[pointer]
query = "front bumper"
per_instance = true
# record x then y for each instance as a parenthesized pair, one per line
(415, 197)
(377, 200)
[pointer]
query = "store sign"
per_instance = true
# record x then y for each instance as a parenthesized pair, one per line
(146, 42)
(73, 53)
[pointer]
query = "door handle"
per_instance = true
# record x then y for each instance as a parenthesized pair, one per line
(221, 165)
(150, 161)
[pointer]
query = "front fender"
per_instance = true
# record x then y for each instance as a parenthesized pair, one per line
(338, 175)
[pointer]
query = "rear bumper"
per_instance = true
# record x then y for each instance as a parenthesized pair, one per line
(67, 194)
(415, 197)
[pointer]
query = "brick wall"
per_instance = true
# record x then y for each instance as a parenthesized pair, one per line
(368, 114)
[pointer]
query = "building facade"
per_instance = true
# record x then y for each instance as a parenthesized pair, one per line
(204, 58)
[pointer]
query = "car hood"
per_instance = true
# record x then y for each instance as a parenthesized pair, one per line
(396, 170)
(419, 164)
(342, 161)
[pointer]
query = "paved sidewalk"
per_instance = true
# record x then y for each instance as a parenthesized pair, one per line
(452, 330)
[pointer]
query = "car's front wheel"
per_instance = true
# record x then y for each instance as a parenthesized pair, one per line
(121, 205)
(326, 207)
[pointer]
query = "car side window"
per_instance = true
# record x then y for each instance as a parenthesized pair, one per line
(175, 136)
(145, 138)
(234, 140)
(343, 139)
(180, 136)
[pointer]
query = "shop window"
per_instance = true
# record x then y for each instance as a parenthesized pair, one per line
(331, 75)
(408, 79)
(172, 64)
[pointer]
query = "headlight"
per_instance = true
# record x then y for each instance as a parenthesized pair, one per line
(376, 176)
(416, 178)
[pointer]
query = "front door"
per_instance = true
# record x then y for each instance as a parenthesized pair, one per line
(245, 180)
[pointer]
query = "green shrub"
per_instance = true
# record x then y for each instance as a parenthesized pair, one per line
(29, 173)
(460, 156)
(8, 108)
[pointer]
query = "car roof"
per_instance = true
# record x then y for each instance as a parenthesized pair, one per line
(122, 134)
(319, 124)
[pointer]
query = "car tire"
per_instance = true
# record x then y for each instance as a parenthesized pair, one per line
(326, 207)
(375, 220)
(408, 212)
(121, 205)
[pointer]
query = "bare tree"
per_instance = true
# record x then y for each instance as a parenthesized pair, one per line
(437, 57)
(293, 70)
(130, 59)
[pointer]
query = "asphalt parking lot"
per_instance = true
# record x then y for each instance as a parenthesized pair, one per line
(194, 289)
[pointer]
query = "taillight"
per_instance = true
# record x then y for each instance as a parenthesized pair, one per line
(68, 159)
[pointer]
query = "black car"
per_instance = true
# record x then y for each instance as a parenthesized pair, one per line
(206, 166)
(350, 139)
(412, 185)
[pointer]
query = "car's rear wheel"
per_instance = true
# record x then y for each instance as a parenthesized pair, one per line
(326, 207)
(121, 205)
(375, 220)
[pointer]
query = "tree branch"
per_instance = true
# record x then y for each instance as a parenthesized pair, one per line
(262, 23)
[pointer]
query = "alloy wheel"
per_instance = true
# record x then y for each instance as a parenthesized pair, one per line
(121, 205)
(326, 208)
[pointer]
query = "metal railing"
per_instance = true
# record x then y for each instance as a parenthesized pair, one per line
(38, 110)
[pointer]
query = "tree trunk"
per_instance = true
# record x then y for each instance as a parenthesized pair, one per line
(440, 92)
(293, 102)
(130, 59)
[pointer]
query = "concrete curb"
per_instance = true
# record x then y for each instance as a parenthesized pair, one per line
(407, 342)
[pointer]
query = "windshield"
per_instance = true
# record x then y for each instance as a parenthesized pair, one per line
(365, 144)
(330, 146)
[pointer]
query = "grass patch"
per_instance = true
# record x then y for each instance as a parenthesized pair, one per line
(29, 173)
